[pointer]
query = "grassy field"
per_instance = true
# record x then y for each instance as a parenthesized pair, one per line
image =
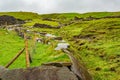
(97, 42)
(11, 44)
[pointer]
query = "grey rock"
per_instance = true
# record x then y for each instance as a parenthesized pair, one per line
(39, 73)
(2, 69)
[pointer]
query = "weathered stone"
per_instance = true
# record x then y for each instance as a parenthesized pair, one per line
(39, 73)
(62, 46)
(2, 69)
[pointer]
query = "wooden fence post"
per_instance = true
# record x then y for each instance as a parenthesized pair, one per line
(17, 55)
(27, 53)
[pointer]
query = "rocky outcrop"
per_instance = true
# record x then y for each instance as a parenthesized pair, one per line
(9, 20)
(39, 73)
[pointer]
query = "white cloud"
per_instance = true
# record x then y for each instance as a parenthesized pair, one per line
(46, 6)
(54, 6)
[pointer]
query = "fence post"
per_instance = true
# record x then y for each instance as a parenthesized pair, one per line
(17, 55)
(27, 53)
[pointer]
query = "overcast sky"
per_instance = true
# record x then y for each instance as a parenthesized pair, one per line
(55, 6)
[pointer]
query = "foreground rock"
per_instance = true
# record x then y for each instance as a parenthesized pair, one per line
(39, 73)
(2, 69)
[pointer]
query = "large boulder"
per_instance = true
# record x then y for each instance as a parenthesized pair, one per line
(39, 73)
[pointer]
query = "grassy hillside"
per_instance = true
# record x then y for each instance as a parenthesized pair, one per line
(97, 42)
(22, 15)
(72, 15)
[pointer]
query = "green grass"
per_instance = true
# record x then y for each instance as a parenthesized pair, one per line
(106, 41)
(11, 44)
(106, 44)
(97, 42)
(22, 15)
(54, 24)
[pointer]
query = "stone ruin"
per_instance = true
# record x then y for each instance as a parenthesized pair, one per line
(50, 71)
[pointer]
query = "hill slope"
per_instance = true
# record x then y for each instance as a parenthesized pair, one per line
(21, 15)
(96, 40)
